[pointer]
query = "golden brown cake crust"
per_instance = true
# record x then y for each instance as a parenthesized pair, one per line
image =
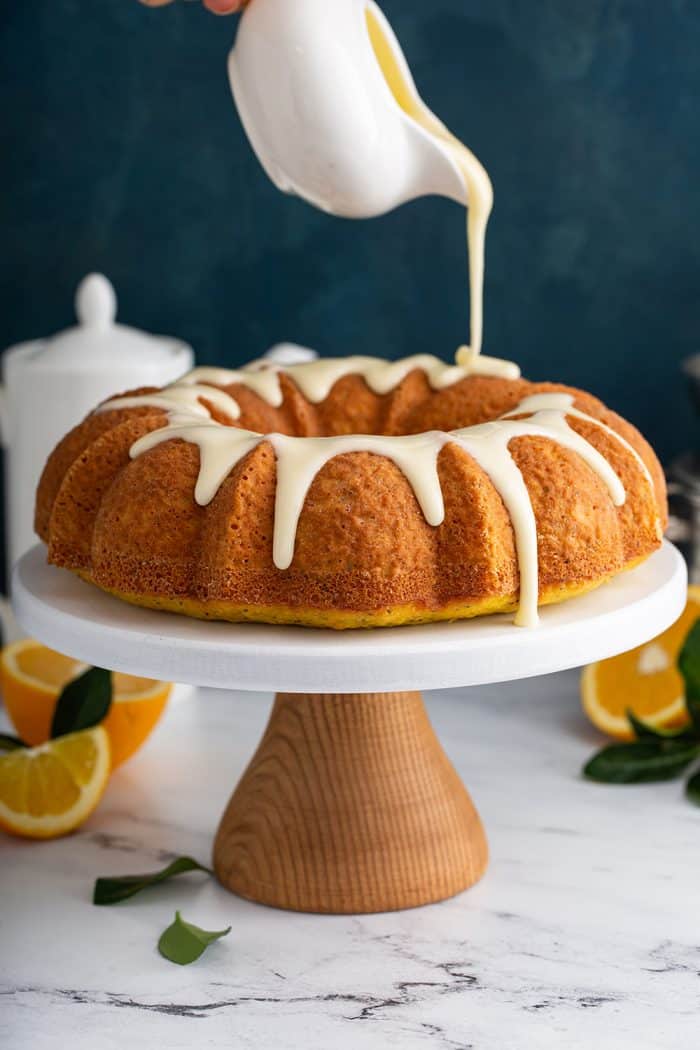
(364, 553)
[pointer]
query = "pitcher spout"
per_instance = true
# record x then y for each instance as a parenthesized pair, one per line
(433, 168)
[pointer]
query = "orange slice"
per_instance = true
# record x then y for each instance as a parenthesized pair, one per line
(32, 676)
(644, 680)
(50, 790)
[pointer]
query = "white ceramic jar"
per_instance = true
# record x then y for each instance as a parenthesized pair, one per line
(51, 384)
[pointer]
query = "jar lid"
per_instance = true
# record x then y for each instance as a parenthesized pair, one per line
(97, 340)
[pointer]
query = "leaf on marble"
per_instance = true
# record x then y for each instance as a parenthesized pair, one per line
(83, 703)
(111, 890)
(183, 943)
(642, 761)
(692, 789)
(10, 743)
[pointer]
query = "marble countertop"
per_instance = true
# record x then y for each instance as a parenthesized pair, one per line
(585, 931)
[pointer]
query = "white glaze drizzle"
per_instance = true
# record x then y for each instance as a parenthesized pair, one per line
(300, 459)
(315, 379)
(180, 398)
(479, 205)
(562, 402)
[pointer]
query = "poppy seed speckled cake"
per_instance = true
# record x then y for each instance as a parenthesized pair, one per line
(352, 492)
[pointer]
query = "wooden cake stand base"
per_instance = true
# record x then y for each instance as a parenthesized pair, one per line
(349, 803)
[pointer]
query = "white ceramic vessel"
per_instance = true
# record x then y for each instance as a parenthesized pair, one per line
(51, 384)
(321, 116)
(290, 354)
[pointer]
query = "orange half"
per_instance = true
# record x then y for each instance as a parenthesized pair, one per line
(32, 677)
(644, 680)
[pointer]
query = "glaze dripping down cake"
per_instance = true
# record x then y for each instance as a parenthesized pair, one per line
(352, 492)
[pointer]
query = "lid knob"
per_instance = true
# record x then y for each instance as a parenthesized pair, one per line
(95, 302)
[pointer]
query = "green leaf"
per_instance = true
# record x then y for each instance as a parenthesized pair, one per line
(689, 667)
(11, 743)
(644, 731)
(692, 789)
(83, 703)
(183, 943)
(641, 729)
(642, 761)
(120, 888)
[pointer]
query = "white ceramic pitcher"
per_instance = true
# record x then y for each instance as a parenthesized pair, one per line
(321, 116)
(51, 384)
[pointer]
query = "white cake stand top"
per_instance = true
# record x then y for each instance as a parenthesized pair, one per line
(76, 618)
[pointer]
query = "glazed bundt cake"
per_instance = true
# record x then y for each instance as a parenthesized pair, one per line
(351, 492)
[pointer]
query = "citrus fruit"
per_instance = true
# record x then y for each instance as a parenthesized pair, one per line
(644, 680)
(32, 676)
(49, 790)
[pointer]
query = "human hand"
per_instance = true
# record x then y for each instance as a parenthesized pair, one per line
(219, 7)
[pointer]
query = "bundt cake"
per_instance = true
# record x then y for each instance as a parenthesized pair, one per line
(351, 492)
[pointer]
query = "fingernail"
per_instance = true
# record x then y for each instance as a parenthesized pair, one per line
(223, 7)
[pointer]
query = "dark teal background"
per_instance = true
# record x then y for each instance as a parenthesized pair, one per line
(122, 152)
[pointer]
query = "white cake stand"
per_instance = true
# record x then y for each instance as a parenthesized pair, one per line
(349, 804)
